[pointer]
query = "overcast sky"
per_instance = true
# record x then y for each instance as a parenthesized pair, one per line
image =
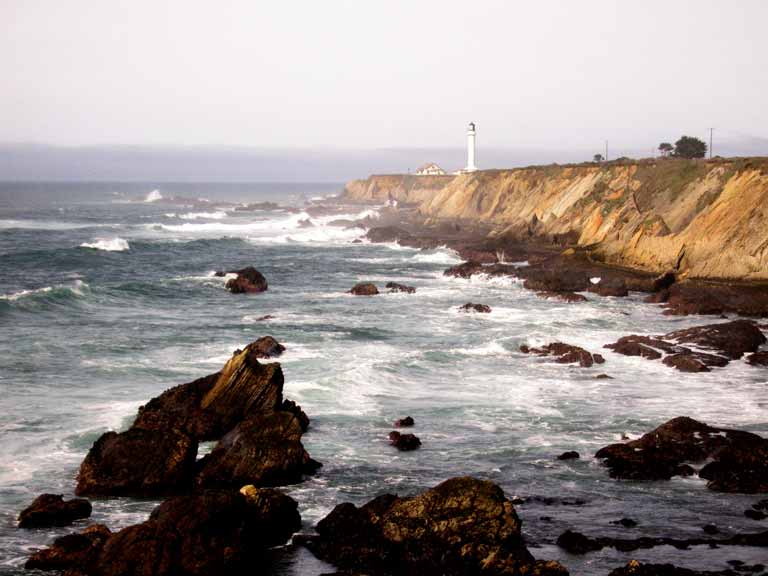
(359, 74)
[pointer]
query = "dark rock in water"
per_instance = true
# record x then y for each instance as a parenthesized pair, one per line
(626, 522)
(754, 514)
(295, 409)
(248, 280)
(577, 543)
(267, 347)
(264, 318)
(603, 377)
(710, 529)
(610, 287)
(635, 568)
(404, 422)
(761, 505)
(664, 281)
(211, 532)
(387, 234)
(543, 280)
(364, 289)
(357, 241)
(480, 308)
(739, 460)
(464, 270)
(71, 552)
(395, 287)
(477, 255)
(758, 358)
(404, 442)
(697, 297)
(565, 354)
(462, 526)
(727, 341)
(570, 455)
(52, 510)
(138, 462)
(570, 297)
(264, 450)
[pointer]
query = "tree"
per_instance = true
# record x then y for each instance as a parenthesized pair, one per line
(690, 147)
(597, 158)
(666, 148)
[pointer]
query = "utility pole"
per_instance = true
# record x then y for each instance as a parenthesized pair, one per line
(710, 142)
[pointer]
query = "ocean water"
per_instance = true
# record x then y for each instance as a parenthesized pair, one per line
(107, 298)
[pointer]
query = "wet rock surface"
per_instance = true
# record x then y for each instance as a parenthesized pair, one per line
(569, 297)
(737, 461)
(396, 287)
(267, 347)
(462, 526)
(364, 289)
(404, 422)
(635, 568)
(565, 354)
(477, 308)
(52, 510)
(570, 455)
(248, 280)
(696, 297)
(76, 551)
(723, 342)
(404, 442)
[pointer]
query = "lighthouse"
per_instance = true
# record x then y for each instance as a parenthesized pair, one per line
(471, 148)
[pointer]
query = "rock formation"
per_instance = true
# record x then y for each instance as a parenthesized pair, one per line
(248, 280)
(52, 510)
(565, 354)
(364, 289)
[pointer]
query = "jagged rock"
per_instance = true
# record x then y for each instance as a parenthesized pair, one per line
(138, 462)
(710, 529)
(74, 551)
(565, 354)
(295, 409)
(464, 270)
(52, 510)
(364, 289)
(727, 341)
(739, 460)
(387, 234)
(211, 532)
(248, 280)
(561, 280)
(758, 358)
(462, 526)
(267, 347)
(480, 308)
(570, 455)
(694, 297)
(404, 442)
(264, 450)
(395, 287)
(569, 297)
(404, 422)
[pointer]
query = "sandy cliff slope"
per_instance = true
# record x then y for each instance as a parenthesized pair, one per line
(706, 219)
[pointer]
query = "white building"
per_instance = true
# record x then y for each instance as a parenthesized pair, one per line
(430, 169)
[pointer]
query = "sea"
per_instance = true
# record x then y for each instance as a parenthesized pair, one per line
(108, 297)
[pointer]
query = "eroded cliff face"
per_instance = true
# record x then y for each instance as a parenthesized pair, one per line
(705, 219)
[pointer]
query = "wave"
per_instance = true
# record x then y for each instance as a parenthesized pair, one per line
(153, 196)
(442, 257)
(218, 215)
(108, 244)
(47, 225)
(77, 288)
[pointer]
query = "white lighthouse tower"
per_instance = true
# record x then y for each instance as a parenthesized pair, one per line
(471, 149)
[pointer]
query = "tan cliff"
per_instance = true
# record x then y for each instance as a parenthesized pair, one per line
(705, 219)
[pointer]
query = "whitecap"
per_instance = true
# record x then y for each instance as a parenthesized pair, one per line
(218, 215)
(108, 244)
(153, 196)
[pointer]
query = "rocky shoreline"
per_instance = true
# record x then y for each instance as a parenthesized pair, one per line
(221, 512)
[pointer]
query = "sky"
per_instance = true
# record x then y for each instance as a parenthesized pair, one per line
(368, 74)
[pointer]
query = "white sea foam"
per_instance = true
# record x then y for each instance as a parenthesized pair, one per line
(108, 244)
(440, 257)
(78, 288)
(153, 196)
(218, 215)
(48, 225)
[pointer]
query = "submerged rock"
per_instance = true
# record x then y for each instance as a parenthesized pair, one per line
(462, 526)
(52, 510)
(738, 461)
(264, 450)
(464, 270)
(364, 289)
(404, 422)
(570, 455)
(404, 442)
(77, 551)
(569, 297)
(395, 287)
(565, 354)
(248, 280)
(480, 308)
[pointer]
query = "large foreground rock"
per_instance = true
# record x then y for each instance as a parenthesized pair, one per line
(737, 460)
(52, 510)
(264, 450)
(462, 526)
(248, 280)
(211, 532)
